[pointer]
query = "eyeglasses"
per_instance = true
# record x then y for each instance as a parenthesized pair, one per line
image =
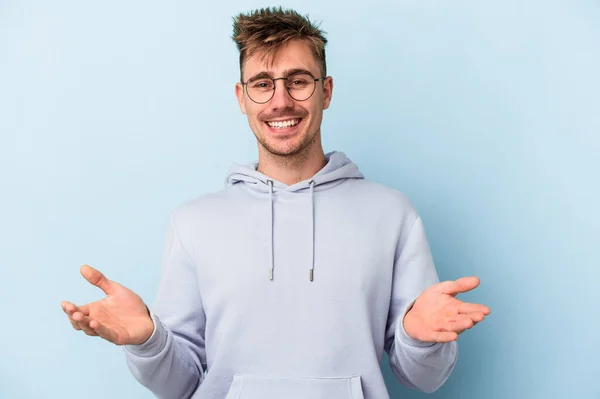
(300, 87)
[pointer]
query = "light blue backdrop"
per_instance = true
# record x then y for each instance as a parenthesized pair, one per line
(486, 114)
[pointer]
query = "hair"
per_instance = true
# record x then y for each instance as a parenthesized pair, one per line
(266, 30)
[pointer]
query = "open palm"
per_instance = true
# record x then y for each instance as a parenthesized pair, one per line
(121, 317)
(437, 316)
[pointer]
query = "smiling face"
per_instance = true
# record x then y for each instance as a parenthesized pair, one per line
(284, 126)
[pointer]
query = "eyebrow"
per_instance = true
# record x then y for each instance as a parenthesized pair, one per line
(287, 73)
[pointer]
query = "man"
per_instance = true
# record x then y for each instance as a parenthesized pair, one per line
(292, 280)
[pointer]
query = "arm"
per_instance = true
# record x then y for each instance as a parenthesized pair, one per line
(171, 362)
(419, 365)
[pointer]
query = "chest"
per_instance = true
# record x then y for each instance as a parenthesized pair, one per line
(351, 249)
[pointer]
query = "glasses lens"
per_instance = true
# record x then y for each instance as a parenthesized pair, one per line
(301, 86)
(260, 90)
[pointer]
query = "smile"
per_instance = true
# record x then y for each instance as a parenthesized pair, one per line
(283, 124)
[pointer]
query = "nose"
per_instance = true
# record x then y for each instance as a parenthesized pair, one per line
(281, 98)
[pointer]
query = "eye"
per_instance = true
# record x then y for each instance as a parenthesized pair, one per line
(299, 81)
(262, 84)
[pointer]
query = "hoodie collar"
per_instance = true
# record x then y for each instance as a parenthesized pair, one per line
(337, 169)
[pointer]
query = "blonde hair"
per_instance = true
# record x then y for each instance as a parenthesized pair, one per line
(266, 30)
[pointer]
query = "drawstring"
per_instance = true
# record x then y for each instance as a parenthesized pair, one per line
(270, 183)
(312, 230)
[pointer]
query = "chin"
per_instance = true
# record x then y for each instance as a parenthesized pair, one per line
(288, 147)
(283, 150)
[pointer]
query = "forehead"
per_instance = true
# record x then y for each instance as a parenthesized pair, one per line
(295, 54)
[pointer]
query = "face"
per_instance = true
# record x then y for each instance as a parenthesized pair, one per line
(284, 126)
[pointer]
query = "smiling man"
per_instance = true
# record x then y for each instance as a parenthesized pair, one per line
(286, 122)
(292, 280)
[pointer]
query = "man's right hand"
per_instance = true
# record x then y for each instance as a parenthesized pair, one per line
(121, 318)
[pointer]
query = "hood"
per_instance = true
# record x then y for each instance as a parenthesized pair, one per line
(336, 171)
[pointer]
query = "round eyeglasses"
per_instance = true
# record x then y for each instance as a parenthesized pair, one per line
(300, 87)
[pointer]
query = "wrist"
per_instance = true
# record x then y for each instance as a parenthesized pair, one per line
(149, 328)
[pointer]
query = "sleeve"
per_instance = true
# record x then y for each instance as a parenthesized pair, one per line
(424, 366)
(172, 362)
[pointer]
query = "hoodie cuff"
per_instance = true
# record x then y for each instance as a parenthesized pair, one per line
(401, 334)
(153, 345)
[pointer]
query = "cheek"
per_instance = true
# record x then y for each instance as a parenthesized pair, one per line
(252, 113)
(315, 112)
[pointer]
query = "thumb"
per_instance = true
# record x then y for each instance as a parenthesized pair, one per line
(96, 278)
(463, 284)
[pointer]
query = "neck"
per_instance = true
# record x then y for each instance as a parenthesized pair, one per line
(291, 169)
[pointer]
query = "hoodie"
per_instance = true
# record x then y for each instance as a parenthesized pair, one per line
(275, 291)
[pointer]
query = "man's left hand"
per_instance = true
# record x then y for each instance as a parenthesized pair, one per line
(437, 316)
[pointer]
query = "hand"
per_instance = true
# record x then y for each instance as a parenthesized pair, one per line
(121, 318)
(437, 316)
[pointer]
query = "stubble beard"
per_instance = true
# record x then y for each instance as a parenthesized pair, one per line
(289, 153)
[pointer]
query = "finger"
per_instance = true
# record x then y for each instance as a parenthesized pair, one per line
(476, 317)
(84, 323)
(465, 308)
(104, 332)
(458, 324)
(74, 324)
(463, 284)
(69, 309)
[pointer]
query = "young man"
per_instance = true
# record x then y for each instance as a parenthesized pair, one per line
(292, 280)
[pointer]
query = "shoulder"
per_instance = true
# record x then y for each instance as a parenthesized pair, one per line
(385, 197)
(202, 205)
(390, 208)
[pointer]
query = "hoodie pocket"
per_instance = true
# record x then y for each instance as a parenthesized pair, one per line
(246, 386)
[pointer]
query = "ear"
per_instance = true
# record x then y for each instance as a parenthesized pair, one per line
(239, 93)
(327, 91)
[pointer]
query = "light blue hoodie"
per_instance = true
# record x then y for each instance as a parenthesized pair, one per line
(270, 291)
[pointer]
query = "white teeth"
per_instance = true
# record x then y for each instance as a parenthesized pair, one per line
(284, 124)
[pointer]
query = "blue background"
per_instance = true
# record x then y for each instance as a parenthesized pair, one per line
(486, 114)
